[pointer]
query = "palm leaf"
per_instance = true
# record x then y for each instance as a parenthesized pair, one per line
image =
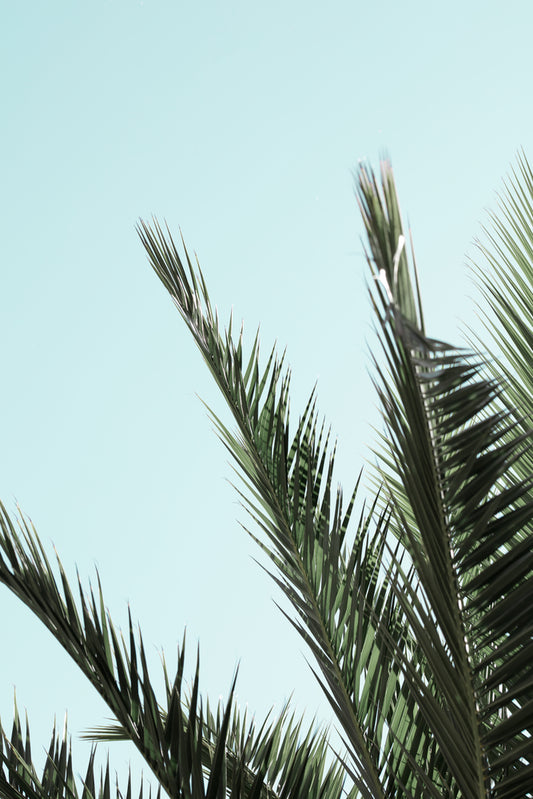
(417, 611)
(505, 278)
(192, 752)
(448, 464)
(340, 590)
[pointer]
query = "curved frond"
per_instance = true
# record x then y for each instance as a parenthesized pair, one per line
(339, 589)
(448, 462)
(417, 608)
(505, 277)
(193, 752)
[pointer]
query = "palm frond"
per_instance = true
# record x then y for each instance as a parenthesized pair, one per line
(339, 589)
(505, 277)
(192, 752)
(448, 462)
(416, 609)
(291, 760)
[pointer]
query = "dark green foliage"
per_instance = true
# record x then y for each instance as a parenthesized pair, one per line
(417, 609)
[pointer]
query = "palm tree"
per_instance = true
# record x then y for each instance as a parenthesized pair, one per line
(417, 609)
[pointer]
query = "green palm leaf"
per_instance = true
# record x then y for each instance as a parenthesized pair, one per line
(505, 277)
(461, 514)
(192, 752)
(340, 590)
(416, 608)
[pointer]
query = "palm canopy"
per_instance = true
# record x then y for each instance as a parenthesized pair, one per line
(416, 607)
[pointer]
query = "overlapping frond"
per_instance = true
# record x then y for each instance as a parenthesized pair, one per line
(461, 513)
(338, 585)
(193, 752)
(417, 609)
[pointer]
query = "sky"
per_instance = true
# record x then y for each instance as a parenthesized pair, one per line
(241, 123)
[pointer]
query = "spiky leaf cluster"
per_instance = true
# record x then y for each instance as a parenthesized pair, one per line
(415, 605)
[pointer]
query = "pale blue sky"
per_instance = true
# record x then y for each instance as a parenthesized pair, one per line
(241, 122)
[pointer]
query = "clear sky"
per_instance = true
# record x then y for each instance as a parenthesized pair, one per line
(241, 122)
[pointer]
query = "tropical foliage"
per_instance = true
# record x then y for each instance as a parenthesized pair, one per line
(417, 608)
